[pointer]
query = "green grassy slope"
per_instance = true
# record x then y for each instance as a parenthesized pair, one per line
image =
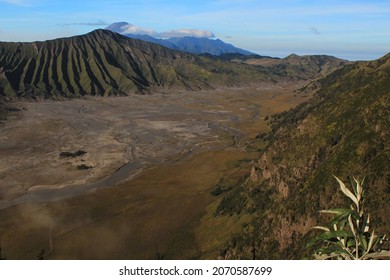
(344, 131)
(294, 67)
(105, 63)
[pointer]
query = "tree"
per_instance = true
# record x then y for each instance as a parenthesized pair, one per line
(349, 235)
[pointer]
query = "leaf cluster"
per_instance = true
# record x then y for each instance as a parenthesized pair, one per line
(349, 235)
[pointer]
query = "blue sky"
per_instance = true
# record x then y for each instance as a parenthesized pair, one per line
(351, 29)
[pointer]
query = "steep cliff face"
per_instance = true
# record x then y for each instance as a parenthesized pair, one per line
(344, 131)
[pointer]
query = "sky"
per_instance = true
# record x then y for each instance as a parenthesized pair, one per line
(349, 29)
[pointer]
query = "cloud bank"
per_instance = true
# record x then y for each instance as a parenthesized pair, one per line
(130, 29)
(187, 32)
(125, 28)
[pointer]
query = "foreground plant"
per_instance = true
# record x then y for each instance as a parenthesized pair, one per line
(349, 235)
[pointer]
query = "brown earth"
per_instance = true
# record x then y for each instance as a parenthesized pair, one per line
(142, 188)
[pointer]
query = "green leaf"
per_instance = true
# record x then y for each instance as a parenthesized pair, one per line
(342, 219)
(372, 239)
(359, 188)
(337, 211)
(334, 251)
(363, 242)
(351, 242)
(328, 236)
(367, 224)
(322, 228)
(347, 192)
(333, 234)
(352, 227)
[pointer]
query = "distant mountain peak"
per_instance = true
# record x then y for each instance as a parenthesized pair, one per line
(117, 26)
(187, 40)
(293, 55)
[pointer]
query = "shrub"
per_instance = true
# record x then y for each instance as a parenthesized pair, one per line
(72, 154)
(83, 167)
(349, 235)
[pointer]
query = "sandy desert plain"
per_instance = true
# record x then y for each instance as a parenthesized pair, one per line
(140, 187)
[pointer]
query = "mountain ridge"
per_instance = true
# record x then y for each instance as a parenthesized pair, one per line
(304, 67)
(106, 63)
(204, 45)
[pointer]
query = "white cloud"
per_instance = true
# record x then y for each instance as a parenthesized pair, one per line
(135, 30)
(187, 32)
(125, 28)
